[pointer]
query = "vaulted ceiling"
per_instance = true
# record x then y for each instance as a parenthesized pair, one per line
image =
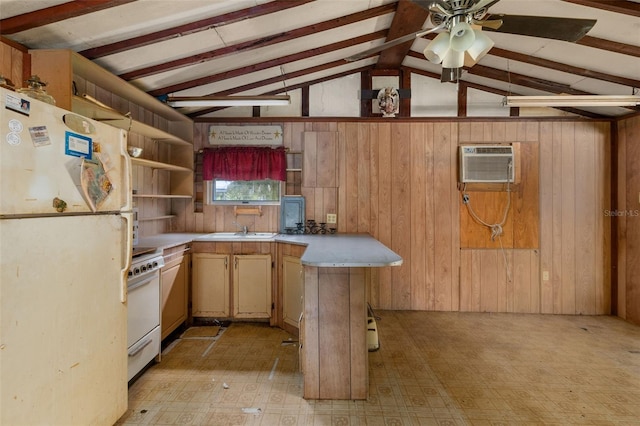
(242, 47)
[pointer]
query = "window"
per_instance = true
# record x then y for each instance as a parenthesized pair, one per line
(265, 191)
(244, 175)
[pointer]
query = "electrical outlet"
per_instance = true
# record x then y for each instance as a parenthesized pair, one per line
(545, 275)
(332, 218)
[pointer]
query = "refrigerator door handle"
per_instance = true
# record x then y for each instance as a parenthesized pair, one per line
(124, 271)
(126, 174)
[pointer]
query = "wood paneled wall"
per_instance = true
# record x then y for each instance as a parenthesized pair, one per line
(627, 220)
(398, 182)
(575, 231)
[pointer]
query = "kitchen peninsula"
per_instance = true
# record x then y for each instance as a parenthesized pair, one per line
(333, 347)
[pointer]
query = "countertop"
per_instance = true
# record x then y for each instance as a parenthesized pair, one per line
(328, 251)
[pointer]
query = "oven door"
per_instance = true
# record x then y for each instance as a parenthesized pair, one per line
(143, 306)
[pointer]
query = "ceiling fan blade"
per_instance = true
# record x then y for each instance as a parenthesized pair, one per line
(394, 42)
(494, 24)
(566, 29)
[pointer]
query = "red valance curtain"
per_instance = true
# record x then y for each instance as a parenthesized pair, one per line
(244, 163)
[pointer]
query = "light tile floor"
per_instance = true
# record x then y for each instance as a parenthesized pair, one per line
(432, 368)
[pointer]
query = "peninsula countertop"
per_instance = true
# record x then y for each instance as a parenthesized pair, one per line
(343, 250)
(328, 251)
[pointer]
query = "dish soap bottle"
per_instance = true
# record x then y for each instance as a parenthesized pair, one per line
(35, 89)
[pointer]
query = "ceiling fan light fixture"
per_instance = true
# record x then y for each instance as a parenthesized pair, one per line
(226, 101)
(462, 37)
(454, 59)
(571, 100)
(437, 49)
(450, 75)
(480, 46)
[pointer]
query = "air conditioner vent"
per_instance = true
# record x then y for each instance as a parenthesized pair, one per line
(487, 164)
(494, 150)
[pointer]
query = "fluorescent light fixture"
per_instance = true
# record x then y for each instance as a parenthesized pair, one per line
(571, 100)
(225, 101)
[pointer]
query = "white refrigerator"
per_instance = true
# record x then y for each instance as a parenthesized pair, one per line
(65, 249)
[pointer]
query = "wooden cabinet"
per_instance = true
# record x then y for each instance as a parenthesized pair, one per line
(252, 286)
(175, 288)
(210, 286)
(165, 168)
(242, 292)
(292, 290)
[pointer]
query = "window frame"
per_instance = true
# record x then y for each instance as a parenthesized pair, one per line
(210, 200)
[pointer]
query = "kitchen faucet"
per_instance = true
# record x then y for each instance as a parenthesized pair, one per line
(245, 228)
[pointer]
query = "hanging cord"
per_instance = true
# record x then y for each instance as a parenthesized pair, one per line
(284, 82)
(496, 228)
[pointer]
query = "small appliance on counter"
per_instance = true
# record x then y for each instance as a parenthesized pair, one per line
(291, 213)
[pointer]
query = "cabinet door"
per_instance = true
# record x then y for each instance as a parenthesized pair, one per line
(292, 289)
(252, 286)
(210, 285)
(175, 280)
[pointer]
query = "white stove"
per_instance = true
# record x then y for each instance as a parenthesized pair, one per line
(143, 309)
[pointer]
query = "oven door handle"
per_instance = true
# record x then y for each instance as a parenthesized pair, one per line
(140, 346)
(142, 282)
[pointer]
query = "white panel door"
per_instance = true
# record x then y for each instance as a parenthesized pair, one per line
(63, 325)
(41, 159)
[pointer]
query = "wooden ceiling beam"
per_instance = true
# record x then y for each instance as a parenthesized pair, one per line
(500, 92)
(49, 15)
(610, 46)
(409, 18)
(192, 28)
(558, 66)
(517, 79)
(523, 80)
(262, 42)
(623, 7)
(294, 87)
(269, 64)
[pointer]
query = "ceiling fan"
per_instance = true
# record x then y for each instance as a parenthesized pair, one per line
(461, 40)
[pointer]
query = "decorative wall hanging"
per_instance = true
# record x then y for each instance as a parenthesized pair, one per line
(388, 101)
(245, 135)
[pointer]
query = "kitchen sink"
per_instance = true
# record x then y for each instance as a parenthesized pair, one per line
(238, 236)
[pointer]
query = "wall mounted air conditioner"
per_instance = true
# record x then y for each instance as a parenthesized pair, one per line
(487, 164)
